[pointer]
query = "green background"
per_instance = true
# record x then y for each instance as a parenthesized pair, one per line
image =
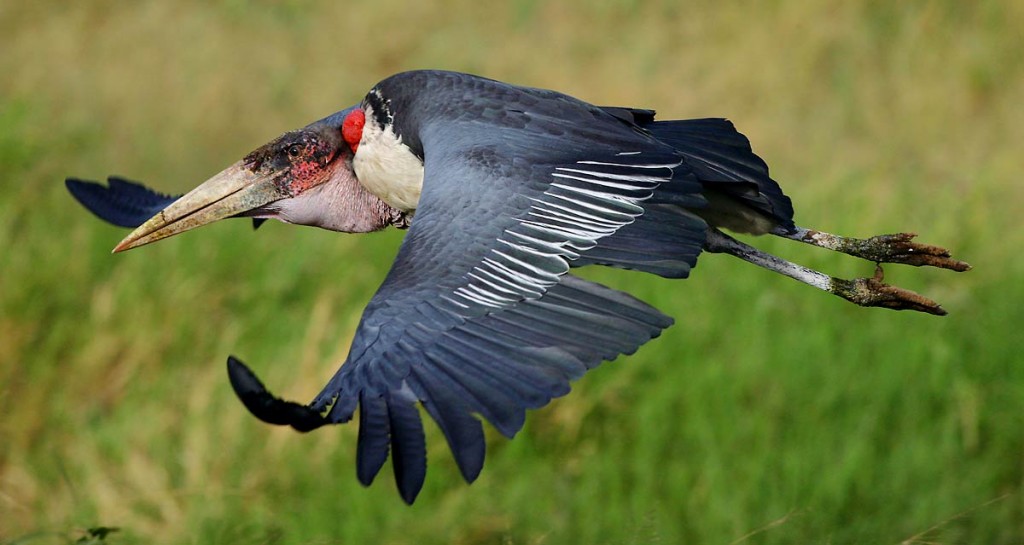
(770, 413)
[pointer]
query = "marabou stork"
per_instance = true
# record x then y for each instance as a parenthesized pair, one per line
(504, 189)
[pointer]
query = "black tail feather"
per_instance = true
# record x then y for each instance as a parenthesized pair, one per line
(721, 158)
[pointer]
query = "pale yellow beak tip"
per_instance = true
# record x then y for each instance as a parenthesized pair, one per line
(135, 238)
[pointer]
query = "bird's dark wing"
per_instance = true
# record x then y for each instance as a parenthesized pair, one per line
(634, 116)
(123, 202)
(477, 315)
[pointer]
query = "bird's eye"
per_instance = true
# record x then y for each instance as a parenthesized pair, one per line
(294, 150)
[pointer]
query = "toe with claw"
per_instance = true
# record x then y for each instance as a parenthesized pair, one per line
(873, 292)
(895, 248)
(900, 248)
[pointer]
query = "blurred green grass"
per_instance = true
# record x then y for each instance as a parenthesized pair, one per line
(769, 414)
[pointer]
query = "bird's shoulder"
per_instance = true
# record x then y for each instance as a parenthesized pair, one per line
(426, 96)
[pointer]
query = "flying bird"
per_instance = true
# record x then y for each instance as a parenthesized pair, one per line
(503, 190)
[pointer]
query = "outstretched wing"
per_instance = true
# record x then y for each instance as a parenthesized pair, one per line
(123, 202)
(477, 315)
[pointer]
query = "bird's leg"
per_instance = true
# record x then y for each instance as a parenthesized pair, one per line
(866, 292)
(895, 248)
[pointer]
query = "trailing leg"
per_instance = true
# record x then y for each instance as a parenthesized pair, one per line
(866, 292)
(895, 248)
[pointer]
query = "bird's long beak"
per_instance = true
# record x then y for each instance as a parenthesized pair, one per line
(234, 191)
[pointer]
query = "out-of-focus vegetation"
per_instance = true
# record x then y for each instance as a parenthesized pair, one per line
(770, 413)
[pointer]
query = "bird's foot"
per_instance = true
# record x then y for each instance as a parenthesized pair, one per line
(895, 248)
(873, 292)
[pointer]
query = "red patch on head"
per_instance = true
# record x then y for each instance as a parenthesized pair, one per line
(352, 128)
